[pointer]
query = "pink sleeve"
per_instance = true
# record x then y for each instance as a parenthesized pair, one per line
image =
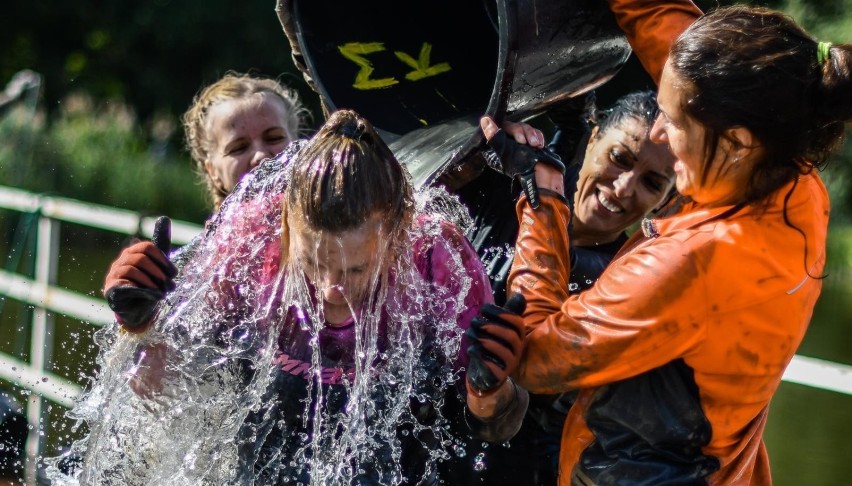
(445, 274)
(246, 254)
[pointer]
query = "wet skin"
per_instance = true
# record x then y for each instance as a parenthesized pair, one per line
(342, 266)
(731, 167)
(624, 176)
(243, 132)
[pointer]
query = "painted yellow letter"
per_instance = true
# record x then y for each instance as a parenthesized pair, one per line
(421, 66)
(356, 52)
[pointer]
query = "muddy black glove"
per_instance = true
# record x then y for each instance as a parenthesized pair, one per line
(518, 160)
(140, 277)
(496, 338)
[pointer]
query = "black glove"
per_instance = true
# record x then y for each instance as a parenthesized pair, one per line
(140, 277)
(519, 160)
(571, 118)
(496, 338)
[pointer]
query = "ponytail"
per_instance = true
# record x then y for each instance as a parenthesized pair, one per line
(832, 101)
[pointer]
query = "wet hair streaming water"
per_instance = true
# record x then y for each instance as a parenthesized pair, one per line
(239, 404)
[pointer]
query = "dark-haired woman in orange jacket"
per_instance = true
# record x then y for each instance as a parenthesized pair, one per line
(680, 345)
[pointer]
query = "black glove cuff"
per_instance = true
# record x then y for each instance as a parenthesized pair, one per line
(134, 306)
(505, 423)
(517, 159)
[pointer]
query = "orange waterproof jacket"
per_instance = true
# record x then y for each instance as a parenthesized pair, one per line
(652, 26)
(681, 343)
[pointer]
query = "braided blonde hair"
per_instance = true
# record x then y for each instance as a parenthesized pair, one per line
(233, 86)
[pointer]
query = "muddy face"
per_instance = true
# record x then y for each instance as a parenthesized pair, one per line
(624, 176)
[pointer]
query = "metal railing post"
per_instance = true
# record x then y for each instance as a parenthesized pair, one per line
(41, 342)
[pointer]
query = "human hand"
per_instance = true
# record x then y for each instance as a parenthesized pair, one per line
(149, 371)
(496, 338)
(522, 161)
(521, 132)
(140, 277)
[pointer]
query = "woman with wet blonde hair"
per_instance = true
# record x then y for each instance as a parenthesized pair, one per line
(323, 310)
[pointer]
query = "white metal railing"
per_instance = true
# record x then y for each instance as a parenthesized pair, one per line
(47, 298)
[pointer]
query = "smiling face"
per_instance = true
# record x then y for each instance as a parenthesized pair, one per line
(728, 174)
(242, 132)
(624, 176)
(342, 266)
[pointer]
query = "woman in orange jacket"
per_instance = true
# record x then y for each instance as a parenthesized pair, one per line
(680, 345)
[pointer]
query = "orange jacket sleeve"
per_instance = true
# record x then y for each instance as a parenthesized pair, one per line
(652, 26)
(618, 331)
(729, 290)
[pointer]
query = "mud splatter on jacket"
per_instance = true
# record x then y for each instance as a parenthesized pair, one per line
(682, 342)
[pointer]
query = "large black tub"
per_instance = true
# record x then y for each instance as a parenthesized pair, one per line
(424, 72)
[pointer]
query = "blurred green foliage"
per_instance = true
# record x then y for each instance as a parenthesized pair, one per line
(152, 54)
(831, 21)
(140, 63)
(98, 152)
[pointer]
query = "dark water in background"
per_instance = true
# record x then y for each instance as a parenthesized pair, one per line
(807, 435)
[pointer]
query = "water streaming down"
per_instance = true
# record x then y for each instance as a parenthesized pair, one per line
(246, 384)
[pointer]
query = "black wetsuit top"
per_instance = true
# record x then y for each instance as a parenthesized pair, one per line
(532, 456)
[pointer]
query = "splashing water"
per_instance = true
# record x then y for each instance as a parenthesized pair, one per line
(241, 381)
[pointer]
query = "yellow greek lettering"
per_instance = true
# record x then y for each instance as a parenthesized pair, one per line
(356, 52)
(421, 66)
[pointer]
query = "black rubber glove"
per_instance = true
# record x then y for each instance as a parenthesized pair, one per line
(496, 338)
(519, 161)
(140, 277)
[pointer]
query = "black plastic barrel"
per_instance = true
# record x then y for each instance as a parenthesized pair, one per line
(425, 72)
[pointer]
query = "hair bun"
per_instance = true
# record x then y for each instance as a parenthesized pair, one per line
(352, 129)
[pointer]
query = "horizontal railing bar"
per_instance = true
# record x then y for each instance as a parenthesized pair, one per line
(48, 385)
(819, 373)
(803, 370)
(93, 215)
(55, 299)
